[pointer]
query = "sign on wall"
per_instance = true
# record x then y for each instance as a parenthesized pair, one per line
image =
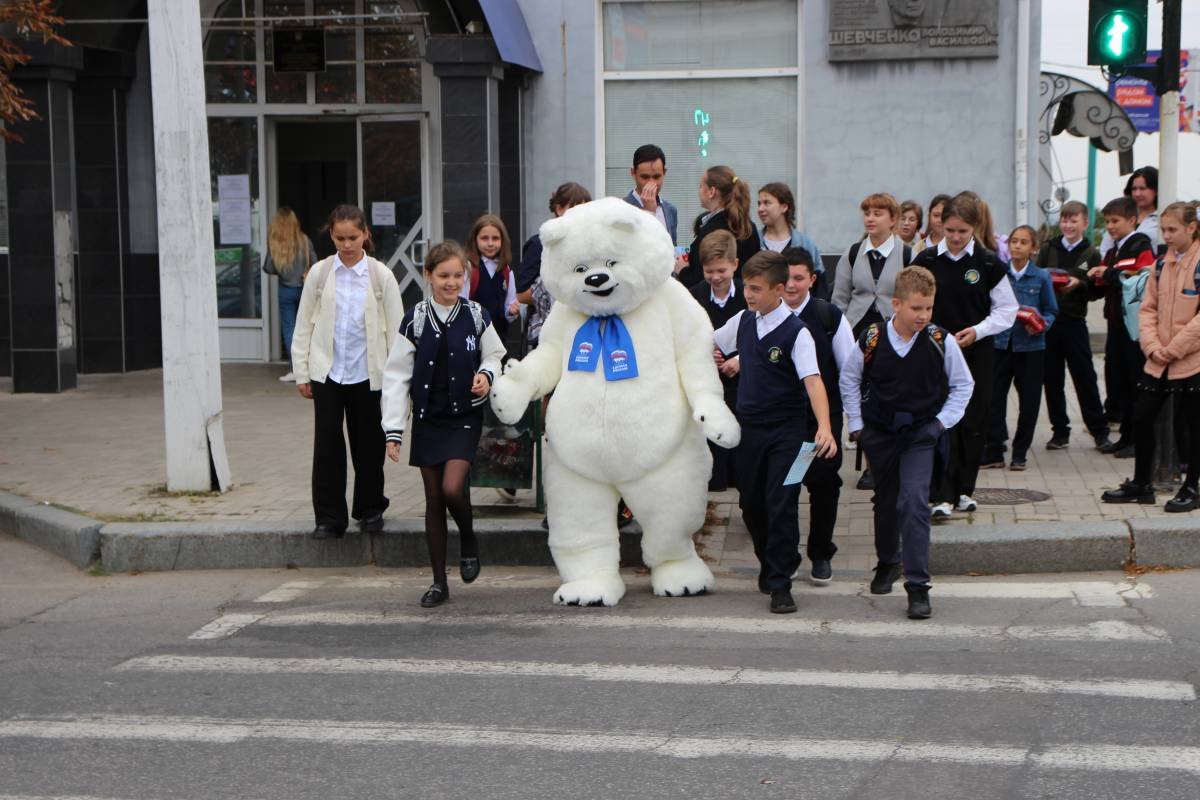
(876, 30)
(1140, 100)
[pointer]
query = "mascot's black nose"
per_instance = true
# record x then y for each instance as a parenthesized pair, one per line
(597, 280)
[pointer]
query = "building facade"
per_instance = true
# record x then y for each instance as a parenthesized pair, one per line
(427, 113)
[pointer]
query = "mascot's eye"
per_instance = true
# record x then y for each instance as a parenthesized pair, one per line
(610, 263)
(580, 268)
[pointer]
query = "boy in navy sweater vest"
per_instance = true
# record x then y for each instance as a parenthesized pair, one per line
(903, 386)
(778, 382)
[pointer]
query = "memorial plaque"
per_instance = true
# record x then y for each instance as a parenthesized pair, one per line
(876, 30)
(298, 49)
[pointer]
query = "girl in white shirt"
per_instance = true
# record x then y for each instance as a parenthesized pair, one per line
(441, 369)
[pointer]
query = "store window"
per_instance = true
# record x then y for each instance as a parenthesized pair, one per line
(372, 52)
(712, 82)
(233, 163)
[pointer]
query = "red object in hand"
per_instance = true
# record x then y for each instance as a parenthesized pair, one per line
(1059, 278)
(1031, 319)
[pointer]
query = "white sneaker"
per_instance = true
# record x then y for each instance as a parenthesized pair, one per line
(966, 503)
(941, 511)
(507, 495)
(289, 378)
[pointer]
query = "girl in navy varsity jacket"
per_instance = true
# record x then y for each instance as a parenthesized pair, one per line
(491, 282)
(441, 367)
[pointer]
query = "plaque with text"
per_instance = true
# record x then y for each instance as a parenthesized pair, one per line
(298, 49)
(876, 30)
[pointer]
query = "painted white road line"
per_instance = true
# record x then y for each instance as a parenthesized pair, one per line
(226, 625)
(214, 730)
(1103, 631)
(1084, 593)
(671, 674)
(290, 591)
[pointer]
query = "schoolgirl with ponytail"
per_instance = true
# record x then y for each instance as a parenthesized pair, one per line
(725, 199)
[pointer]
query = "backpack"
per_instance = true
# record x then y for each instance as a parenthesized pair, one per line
(1133, 288)
(323, 279)
(421, 314)
(825, 315)
(869, 340)
(854, 248)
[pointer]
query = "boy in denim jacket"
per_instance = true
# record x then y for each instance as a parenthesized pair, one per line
(1020, 353)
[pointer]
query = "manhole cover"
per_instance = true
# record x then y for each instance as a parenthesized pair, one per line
(1009, 497)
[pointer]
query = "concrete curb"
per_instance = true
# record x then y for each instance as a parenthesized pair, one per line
(1029, 547)
(74, 537)
(1167, 542)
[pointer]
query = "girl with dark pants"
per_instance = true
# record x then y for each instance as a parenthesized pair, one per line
(441, 367)
(1169, 331)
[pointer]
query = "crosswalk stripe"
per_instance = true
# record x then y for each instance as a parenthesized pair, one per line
(226, 625)
(671, 674)
(1083, 593)
(214, 730)
(1101, 631)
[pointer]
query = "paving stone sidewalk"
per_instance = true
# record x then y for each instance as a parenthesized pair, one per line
(100, 450)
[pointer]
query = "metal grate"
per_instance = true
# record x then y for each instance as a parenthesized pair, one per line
(1008, 497)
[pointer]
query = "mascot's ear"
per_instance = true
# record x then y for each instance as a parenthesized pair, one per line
(553, 231)
(623, 224)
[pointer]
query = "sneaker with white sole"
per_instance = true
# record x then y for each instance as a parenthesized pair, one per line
(941, 511)
(966, 503)
(288, 378)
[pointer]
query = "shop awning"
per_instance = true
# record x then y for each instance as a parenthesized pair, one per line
(511, 34)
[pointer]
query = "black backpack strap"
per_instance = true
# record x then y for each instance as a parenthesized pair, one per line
(854, 248)
(825, 313)
(937, 335)
(907, 255)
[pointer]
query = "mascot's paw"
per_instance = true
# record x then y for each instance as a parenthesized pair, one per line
(510, 398)
(591, 592)
(686, 577)
(719, 424)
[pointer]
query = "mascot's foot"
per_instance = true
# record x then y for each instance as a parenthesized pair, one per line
(686, 577)
(603, 591)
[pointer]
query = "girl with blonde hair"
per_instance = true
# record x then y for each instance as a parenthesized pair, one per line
(289, 255)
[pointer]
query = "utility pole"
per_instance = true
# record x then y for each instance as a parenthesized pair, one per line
(1167, 468)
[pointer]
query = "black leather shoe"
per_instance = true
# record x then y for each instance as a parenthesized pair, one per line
(1110, 447)
(866, 481)
(1186, 500)
(822, 571)
(1061, 443)
(324, 531)
(468, 568)
(782, 602)
(885, 576)
(918, 602)
(435, 596)
(371, 524)
(1101, 440)
(1129, 492)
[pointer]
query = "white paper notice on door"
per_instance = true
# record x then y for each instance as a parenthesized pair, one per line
(233, 209)
(383, 214)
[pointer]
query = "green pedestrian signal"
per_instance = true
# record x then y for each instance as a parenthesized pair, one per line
(1117, 32)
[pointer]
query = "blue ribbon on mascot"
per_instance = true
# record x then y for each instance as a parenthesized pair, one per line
(604, 339)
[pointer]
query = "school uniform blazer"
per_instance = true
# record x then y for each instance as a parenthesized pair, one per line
(670, 214)
(312, 343)
(693, 273)
(854, 287)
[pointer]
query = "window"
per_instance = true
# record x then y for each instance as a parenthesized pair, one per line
(681, 75)
(233, 166)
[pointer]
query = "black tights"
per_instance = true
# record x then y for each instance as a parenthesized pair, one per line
(1146, 411)
(447, 489)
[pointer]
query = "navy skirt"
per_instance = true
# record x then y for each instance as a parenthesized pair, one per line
(441, 439)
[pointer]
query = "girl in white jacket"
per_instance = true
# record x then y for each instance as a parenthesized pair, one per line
(349, 311)
(441, 368)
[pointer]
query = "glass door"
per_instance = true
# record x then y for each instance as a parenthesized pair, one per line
(392, 169)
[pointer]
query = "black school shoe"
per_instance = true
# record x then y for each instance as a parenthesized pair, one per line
(1110, 448)
(1101, 440)
(1130, 492)
(885, 576)
(325, 531)
(1186, 500)
(435, 596)
(371, 524)
(782, 602)
(468, 569)
(866, 482)
(918, 602)
(821, 572)
(1063, 442)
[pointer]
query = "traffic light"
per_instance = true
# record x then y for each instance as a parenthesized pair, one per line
(1117, 32)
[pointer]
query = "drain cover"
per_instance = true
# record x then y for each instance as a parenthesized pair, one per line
(1009, 497)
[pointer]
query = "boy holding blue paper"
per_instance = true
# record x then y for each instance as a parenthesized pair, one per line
(903, 387)
(778, 383)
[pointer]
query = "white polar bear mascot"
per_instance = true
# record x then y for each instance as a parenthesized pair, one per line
(627, 352)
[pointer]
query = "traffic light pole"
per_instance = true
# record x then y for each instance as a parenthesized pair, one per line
(1167, 468)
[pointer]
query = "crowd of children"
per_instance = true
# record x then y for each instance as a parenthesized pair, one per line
(915, 340)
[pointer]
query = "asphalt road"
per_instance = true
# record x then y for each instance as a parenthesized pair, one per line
(336, 684)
